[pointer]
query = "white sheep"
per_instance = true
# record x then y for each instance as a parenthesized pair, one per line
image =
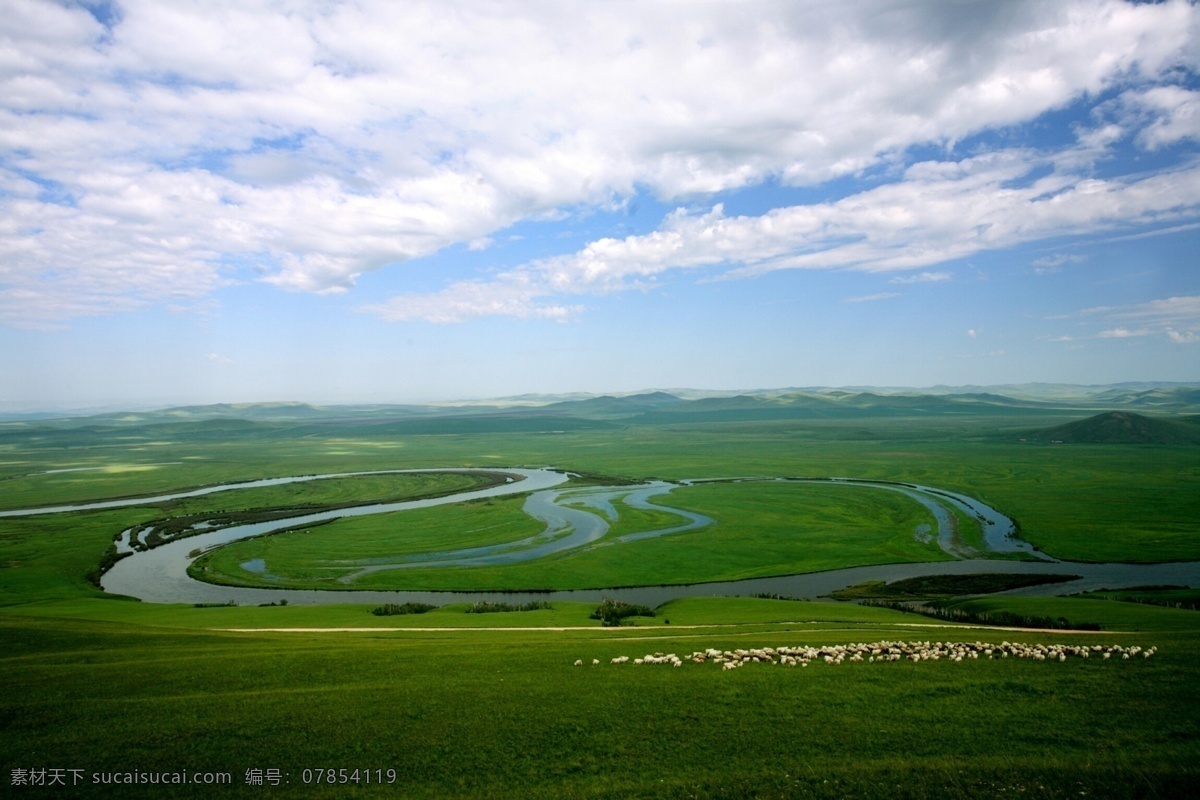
(879, 652)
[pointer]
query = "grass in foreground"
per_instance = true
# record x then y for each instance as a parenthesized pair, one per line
(206, 700)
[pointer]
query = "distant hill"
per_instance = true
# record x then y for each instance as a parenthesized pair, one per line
(668, 406)
(1122, 427)
(832, 405)
(1169, 396)
(608, 405)
(1153, 398)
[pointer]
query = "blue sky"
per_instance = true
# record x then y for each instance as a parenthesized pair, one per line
(381, 202)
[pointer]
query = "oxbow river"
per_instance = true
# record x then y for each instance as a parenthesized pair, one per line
(578, 518)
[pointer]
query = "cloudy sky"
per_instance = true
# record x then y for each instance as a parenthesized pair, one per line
(393, 202)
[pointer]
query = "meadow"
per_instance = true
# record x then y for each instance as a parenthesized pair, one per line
(490, 705)
(764, 529)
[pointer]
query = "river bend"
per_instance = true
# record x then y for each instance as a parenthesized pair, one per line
(160, 574)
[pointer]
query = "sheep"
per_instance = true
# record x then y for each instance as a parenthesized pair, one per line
(880, 652)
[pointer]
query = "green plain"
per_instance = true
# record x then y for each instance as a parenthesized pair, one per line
(101, 684)
(762, 528)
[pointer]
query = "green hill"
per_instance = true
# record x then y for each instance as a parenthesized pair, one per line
(1121, 427)
(608, 405)
(831, 405)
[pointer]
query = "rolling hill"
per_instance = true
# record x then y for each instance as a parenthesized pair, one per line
(1122, 427)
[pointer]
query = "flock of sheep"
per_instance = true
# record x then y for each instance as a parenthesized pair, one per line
(888, 651)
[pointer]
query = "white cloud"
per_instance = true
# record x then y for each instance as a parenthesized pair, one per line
(156, 158)
(1122, 333)
(1170, 309)
(1185, 337)
(938, 212)
(1175, 112)
(1176, 318)
(924, 277)
(469, 299)
(1049, 265)
(870, 298)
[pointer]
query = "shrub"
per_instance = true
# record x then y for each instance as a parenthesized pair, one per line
(1006, 619)
(492, 608)
(611, 612)
(394, 609)
(110, 557)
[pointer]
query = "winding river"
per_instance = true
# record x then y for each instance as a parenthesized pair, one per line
(577, 519)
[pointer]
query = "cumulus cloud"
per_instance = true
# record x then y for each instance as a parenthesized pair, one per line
(937, 212)
(1175, 114)
(164, 151)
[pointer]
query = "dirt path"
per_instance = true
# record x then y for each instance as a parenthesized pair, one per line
(558, 629)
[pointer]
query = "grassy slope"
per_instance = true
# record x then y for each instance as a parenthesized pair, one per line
(48, 557)
(102, 684)
(412, 703)
(1108, 614)
(1171, 598)
(1123, 427)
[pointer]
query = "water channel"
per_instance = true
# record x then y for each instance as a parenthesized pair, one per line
(160, 574)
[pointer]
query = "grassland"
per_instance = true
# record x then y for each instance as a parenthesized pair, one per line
(489, 705)
(495, 713)
(931, 587)
(1085, 502)
(762, 529)
(331, 492)
(318, 557)
(1168, 597)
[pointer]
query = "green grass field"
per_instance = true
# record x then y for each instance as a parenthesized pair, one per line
(490, 705)
(762, 529)
(490, 714)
